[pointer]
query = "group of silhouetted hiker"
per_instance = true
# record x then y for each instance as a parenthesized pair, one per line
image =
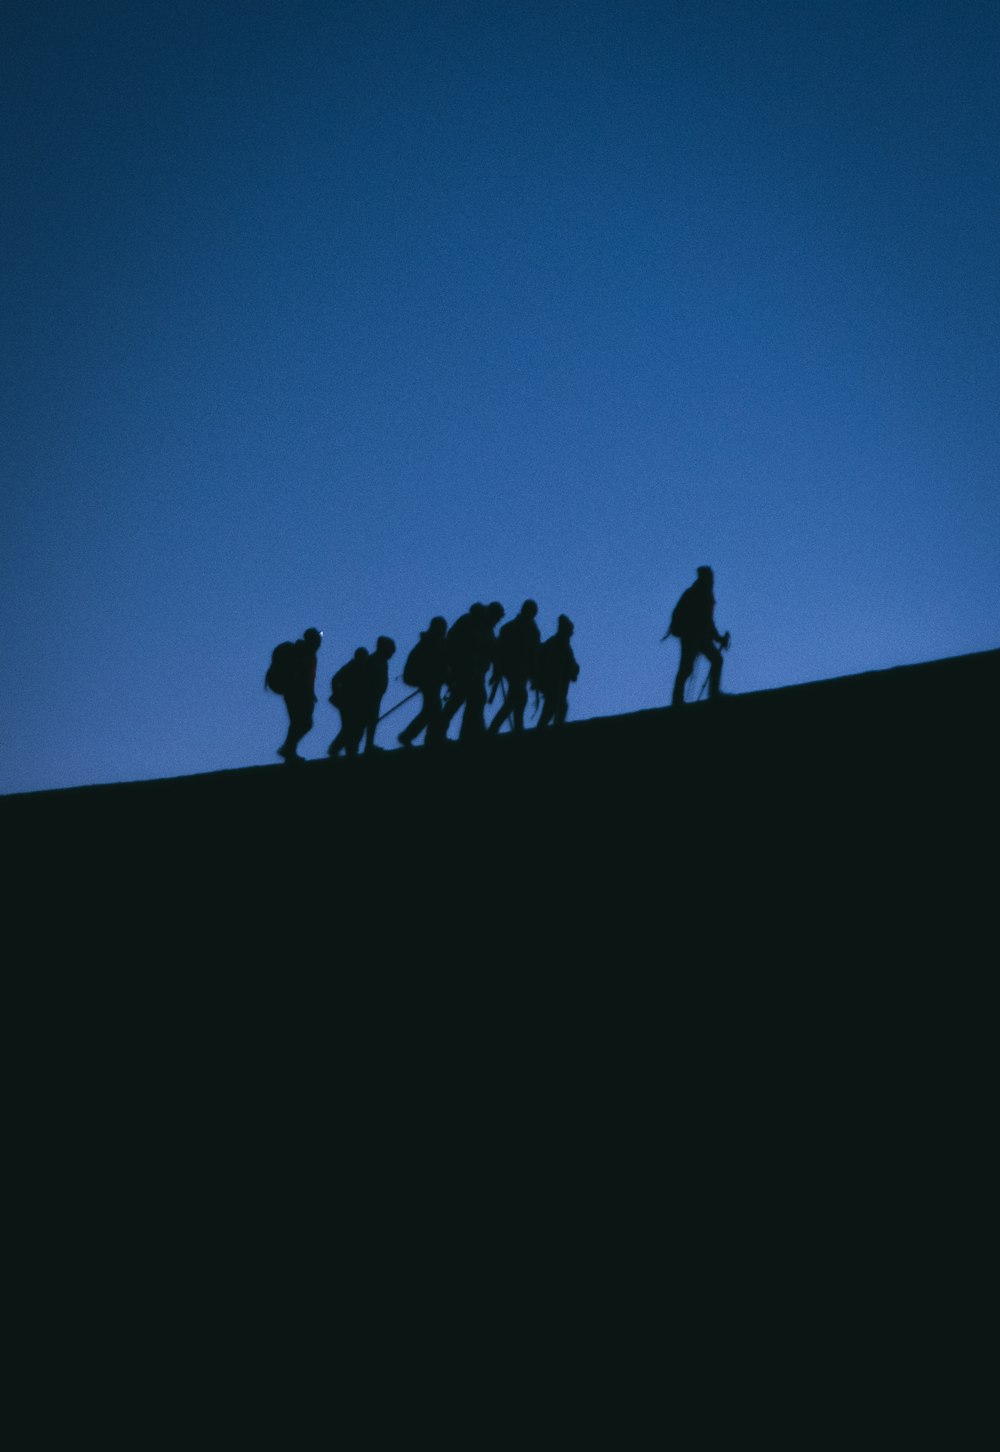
(465, 667)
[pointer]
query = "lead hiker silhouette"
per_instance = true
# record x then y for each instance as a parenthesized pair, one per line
(693, 622)
(426, 669)
(555, 669)
(470, 655)
(292, 674)
(514, 662)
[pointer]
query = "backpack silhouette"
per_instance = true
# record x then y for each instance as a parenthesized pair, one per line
(415, 669)
(280, 676)
(681, 620)
(347, 686)
(510, 647)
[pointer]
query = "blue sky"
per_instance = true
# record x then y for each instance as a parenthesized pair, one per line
(349, 314)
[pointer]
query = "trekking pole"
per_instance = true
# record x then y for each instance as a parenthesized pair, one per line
(399, 703)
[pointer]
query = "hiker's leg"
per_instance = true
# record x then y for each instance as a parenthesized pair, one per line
(713, 655)
(689, 654)
(434, 713)
(300, 720)
(473, 724)
(410, 733)
(457, 694)
(504, 711)
(353, 730)
(517, 699)
(371, 726)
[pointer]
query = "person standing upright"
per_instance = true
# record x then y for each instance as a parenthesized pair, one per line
(349, 693)
(693, 622)
(376, 684)
(556, 668)
(292, 674)
(514, 662)
(426, 669)
(471, 644)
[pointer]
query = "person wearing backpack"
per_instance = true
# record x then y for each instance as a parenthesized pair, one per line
(292, 674)
(375, 685)
(426, 670)
(555, 670)
(516, 650)
(350, 692)
(693, 623)
(471, 645)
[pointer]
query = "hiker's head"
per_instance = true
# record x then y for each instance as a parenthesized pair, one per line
(495, 612)
(706, 574)
(438, 626)
(530, 609)
(361, 653)
(385, 647)
(313, 638)
(565, 625)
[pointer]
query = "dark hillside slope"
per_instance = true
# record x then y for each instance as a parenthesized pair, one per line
(663, 1041)
(777, 822)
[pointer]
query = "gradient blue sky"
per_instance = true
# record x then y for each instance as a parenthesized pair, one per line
(348, 314)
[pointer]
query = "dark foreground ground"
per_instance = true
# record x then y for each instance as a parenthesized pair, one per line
(640, 1064)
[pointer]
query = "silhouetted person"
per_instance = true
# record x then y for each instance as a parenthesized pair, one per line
(470, 654)
(514, 662)
(555, 670)
(426, 669)
(292, 674)
(693, 622)
(350, 692)
(376, 683)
